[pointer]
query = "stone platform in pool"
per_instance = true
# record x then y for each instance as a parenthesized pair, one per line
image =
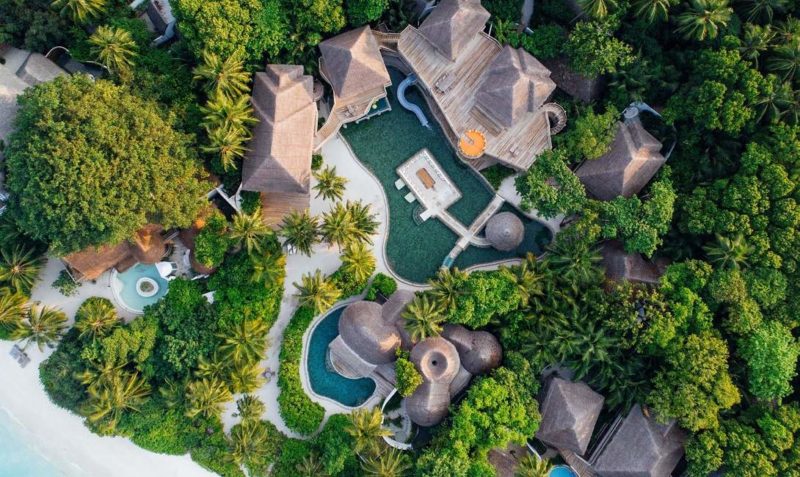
(415, 248)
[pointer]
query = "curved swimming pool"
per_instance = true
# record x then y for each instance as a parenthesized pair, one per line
(139, 286)
(322, 378)
(561, 471)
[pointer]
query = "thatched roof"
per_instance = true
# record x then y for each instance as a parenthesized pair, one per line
(506, 461)
(352, 63)
(640, 447)
(515, 84)
(438, 362)
(393, 311)
(505, 231)
(569, 413)
(633, 160)
(279, 156)
(620, 265)
(574, 84)
(365, 332)
(480, 352)
(453, 24)
(147, 246)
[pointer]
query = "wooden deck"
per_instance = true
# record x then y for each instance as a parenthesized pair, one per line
(453, 85)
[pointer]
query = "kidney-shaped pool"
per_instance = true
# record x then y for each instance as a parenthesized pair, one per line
(322, 378)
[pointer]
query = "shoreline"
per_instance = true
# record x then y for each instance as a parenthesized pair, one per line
(61, 438)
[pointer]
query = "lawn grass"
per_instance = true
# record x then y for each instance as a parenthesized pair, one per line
(415, 252)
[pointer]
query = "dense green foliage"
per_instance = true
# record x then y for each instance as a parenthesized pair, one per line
(383, 284)
(212, 242)
(408, 378)
(97, 137)
(550, 187)
(31, 24)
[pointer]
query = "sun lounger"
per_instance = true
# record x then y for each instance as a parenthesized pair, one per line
(410, 197)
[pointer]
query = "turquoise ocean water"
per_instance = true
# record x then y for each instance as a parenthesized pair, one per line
(18, 455)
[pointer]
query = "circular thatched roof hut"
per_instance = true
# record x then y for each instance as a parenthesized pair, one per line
(438, 362)
(480, 351)
(505, 231)
(362, 328)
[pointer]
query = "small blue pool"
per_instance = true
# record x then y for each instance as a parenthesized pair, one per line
(324, 380)
(139, 286)
(562, 471)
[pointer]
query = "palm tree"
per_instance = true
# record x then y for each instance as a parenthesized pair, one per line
(366, 428)
(703, 19)
(423, 317)
(268, 267)
(228, 144)
(310, 466)
(206, 397)
(227, 77)
(19, 268)
(245, 342)
(300, 230)
(729, 253)
(245, 377)
(358, 261)
(229, 114)
(250, 445)
(337, 226)
(365, 223)
(250, 408)
(533, 466)
(762, 9)
(249, 230)
(329, 185)
(214, 367)
(653, 10)
(316, 292)
(42, 325)
(788, 30)
(527, 280)
(392, 463)
(95, 318)
(574, 261)
(756, 40)
(776, 102)
(114, 48)
(786, 60)
(122, 393)
(80, 10)
(446, 287)
(597, 8)
(12, 309)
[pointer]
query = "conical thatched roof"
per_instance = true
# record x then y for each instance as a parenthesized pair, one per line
(640, 447)
(352, 63)
(453, 24)
(620, 265)
(505, 231)
(364, 331)
(569, 413)
(279, 156)
(515, 84)
(393, 314)
(438, 362)
(624, 170)
(479, 351)
(148, 245)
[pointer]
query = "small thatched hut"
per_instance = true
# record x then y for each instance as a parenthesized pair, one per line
(453, 24)
(278, 162)
(639, 446)
(505, 231)
(569, 414)
(438, 362)
(620, 265)
(634, 158)
(480, 351)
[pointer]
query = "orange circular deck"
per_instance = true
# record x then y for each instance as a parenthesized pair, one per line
(472, 144)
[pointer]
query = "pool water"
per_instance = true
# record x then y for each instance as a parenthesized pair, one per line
(325, 381)
(561, 471)
(125, 286)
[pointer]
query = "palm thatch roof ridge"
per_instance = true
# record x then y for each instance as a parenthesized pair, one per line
(634, 158)
(352, 63)
(453, 24)
(279, 155)
(515, 84)
(569, 414)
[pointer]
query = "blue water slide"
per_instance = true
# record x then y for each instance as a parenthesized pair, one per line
(401, 97)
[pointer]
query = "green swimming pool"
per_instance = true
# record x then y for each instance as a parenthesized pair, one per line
(416, 251)
(322, 378)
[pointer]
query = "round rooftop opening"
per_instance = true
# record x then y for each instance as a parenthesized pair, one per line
(472, 144)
